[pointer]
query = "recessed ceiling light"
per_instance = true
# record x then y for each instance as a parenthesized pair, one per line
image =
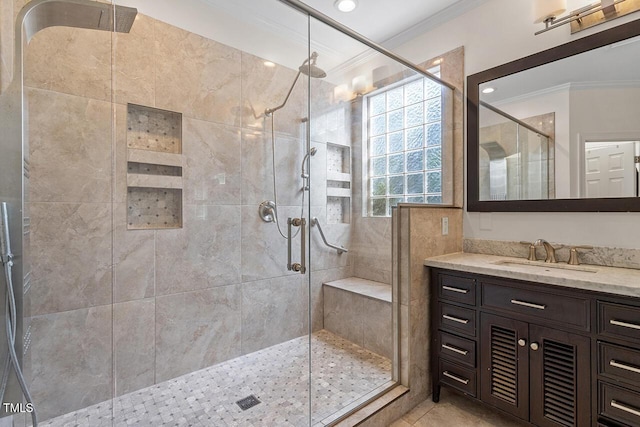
(269, 64)
(346, 5)
(488, 90)
(438, 61)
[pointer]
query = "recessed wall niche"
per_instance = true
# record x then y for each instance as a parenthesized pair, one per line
(154, 168)
(338, 183)
(153, 129)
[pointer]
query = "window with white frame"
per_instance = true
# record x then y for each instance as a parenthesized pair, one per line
(404, 144)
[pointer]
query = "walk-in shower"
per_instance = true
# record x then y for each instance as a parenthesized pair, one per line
(148, 292)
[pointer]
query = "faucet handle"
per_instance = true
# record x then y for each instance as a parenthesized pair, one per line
(532, 250)
(573, 254)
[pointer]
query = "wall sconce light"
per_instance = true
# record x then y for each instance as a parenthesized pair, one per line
(359, 84)
(547, 11)
(341, 93)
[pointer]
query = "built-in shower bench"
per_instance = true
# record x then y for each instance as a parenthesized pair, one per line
(360, 311)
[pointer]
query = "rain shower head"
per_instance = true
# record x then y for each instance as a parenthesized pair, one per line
(308, 68)
(92, 15)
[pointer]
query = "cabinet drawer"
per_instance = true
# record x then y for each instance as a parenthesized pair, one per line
(458, 319)
(619, 363)
(464, 379)
(459, 289)
(619, 404)
(619, 320)
(556, 308)
(458, 349)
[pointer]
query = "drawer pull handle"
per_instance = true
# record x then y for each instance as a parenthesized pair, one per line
(528, 304)
(458, 290)
(624, 366)
(625, 408)
(624, 324)
(455, 319)
(464, 381)
(455, 350)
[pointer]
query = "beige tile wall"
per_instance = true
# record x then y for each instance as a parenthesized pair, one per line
(6, 43)
(115, 310)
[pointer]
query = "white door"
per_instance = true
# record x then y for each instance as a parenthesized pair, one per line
(610, 171)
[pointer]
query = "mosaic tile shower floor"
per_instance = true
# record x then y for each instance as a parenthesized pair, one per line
(277, 376)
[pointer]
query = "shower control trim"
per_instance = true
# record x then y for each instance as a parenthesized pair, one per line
(267, 211)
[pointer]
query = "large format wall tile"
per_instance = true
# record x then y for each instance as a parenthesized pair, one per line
(71, 256)
(267, 87)
(134, 339)
(212, 173)
(196, 329)
(343, 314)
(197, 76)
(71, 356)
(133, 253)
(324, 257)
(7, 35)
(378, 330)
(264, 250)
(372, 249)
(135, 62)
(317, 299)
(257, 168)
(70, 148)
(274, 311)
(70, 60)
(204, 253)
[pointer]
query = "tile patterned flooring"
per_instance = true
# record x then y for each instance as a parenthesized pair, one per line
(453, 410)
(277, 376)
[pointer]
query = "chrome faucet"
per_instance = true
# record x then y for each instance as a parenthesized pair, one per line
(551, 252)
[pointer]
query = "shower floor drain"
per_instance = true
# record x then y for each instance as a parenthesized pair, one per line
(248, 402)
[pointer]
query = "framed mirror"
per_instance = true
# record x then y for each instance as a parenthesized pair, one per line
(558, 130)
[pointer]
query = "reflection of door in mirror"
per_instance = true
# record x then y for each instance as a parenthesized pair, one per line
(611, 169)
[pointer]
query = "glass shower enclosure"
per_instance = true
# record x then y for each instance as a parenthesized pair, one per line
(183, 187)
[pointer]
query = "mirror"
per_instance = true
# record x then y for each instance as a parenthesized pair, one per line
(558, 130)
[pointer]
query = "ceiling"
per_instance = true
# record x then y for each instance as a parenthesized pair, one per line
(382, 20)
(272, 30)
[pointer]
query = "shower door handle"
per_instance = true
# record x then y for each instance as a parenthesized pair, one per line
(302, 266)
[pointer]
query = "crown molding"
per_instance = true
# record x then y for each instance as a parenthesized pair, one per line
(457, 9)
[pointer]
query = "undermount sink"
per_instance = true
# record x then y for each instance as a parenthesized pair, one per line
(545, 265)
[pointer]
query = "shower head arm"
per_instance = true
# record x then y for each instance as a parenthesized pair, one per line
(270, 111)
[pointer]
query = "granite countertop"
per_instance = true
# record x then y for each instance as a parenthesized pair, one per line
(614, 280)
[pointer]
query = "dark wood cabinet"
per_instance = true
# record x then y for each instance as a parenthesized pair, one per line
(560, 377)
(504, 364)
(548, 355)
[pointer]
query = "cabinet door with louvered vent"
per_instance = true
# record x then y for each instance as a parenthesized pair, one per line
(560, 378)
(504, 364)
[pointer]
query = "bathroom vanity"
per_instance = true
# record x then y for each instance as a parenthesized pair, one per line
(551, 344)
